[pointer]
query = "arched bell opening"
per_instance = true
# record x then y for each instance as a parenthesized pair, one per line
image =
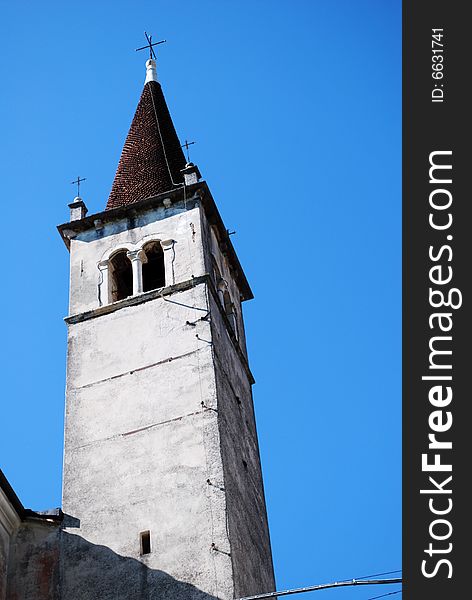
(154, 275)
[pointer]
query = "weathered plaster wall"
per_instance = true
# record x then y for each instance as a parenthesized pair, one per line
(247, 517)
(4, 553)
(212, 249)
(34, 569)
(139, 445)
(91, 247)
(9, 523)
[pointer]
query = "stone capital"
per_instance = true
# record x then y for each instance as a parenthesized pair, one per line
(167, 244)
(137, 255)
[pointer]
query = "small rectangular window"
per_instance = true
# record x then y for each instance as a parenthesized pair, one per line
(145, 539)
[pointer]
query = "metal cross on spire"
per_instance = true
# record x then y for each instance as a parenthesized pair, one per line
(186, 146)
(150, 45)
(77, 182)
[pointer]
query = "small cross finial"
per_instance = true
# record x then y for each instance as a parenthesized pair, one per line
(150, 45)
(77, 182)
(186, 146)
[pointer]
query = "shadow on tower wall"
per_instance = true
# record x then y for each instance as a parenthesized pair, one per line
(52, 564)
(91, 572)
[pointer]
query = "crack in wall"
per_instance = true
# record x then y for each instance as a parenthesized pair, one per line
(156, 364)
(134, 431)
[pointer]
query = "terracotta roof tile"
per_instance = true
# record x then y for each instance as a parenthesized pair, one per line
(152, 158)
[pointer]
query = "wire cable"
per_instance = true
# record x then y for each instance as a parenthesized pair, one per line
(378, 574)
(324, 586)
(162, 141)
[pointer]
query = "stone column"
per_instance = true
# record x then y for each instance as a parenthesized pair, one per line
(221, 291)
(169, 255)
(137, 258)
(234, 321)
(104, 283)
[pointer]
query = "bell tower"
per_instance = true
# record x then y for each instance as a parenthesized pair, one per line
(162, 491)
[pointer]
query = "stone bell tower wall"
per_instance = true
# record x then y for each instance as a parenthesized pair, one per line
(160, 433)
(140, 446)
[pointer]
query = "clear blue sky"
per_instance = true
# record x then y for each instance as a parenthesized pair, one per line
(296, 110)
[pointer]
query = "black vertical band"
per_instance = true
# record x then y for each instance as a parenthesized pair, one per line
(437, 269)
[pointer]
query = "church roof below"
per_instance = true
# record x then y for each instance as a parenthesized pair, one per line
(6, 491)
(152, 157)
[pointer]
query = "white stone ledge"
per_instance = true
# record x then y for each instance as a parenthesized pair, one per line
(159, 293)
(135, 300)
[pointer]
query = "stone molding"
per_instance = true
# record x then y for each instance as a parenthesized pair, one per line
(159, 293)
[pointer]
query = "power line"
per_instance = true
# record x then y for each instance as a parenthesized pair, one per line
(323, 586)
(379, 574)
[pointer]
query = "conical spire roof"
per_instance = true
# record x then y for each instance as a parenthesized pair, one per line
(152, 157)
